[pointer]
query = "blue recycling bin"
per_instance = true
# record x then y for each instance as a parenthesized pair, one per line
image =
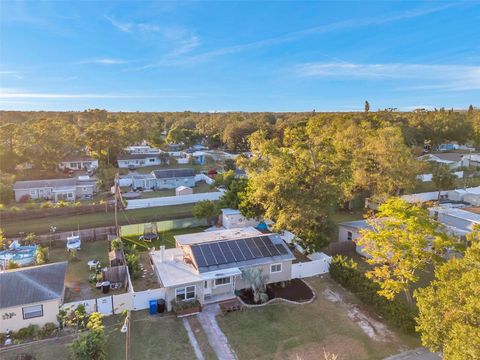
(153, 307)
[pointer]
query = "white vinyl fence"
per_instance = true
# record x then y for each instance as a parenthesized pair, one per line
(173, 200)
(320, 264)
(115, 304)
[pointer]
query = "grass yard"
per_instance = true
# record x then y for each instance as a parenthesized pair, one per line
(86, 221)
(285, 331)
(164, 238)
(151, 338)
(76, 279)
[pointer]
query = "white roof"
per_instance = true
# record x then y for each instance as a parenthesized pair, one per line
(230, 212)
(461, 214)
(206, 236)
(180, 188)
(173, 271)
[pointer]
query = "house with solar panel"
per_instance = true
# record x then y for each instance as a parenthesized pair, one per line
(208, 265)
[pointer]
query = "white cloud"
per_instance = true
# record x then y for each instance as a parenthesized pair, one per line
(11, 73)
(103, 61)
(430, 77)
(298, 35)
(121, 26)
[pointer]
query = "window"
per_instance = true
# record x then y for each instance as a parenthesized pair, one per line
(33, 192)
(186, 293)
(275, 268)
(151, 160)
(349, 236)
(222, 281)
(32, 311)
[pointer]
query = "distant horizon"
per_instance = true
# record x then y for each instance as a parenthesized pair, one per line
(239, 56)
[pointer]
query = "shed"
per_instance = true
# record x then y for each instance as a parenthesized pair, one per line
(183, 190)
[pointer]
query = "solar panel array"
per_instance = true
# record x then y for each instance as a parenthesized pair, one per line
(228, 251)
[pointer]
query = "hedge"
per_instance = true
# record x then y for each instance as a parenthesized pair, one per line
(396, 313)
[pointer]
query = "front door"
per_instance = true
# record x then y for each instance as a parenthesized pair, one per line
(207, 287)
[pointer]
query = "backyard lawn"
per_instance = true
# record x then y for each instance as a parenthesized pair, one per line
(151, 338)
(285, 331)
(76, 279)
(201, 187)
(86, 221)
(164, 238)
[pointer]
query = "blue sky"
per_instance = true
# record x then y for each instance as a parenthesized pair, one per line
(248, 56)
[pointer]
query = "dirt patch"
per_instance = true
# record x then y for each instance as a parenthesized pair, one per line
(295, 290)
(345, 348)
(373, 328)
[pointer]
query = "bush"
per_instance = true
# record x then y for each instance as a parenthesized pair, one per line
(6, 193)
(25, 198)
(47, 330)
(62, 204)
(2, 207)
(184, 305)
(30, 205)
(346, 273)
(29, 332)
(15, 209)
(46, 205)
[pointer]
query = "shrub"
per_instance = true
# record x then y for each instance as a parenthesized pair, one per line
(61, 204)
(29, 332)
(30, 239)
(47, 330)
(6, 193)
(2, 207)
(117, 244)
(15, 209)
(184, 305)
(25, 198)
(12, 265)
(46, 205)
(345, 272)
(30, 205)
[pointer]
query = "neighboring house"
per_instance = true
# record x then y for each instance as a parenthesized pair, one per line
(453, 146)
(142, 149)
(472, 160)
(138, 181)
(78, 163)
(31, 295)
(208, 265)
(126, 161)
(70, 189)
(173, 178)
(458, 221)
(232, 218)
(183, 190)
(351, 231)
(452, 160)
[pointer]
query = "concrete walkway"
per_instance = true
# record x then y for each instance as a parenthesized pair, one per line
(217, 339)
(416, 354)
(193, 340)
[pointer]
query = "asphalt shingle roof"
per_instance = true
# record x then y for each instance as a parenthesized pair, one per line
(30, 285)
(33, 184)
(173, 173)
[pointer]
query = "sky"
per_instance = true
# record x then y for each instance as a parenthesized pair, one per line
(239, 56)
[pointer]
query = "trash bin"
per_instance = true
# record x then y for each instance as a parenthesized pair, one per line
(106, 287)
(153, 307)
(160, 306)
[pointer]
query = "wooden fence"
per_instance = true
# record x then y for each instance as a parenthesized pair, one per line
(60, 238)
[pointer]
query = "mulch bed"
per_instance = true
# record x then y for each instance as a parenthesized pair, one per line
(294, 290)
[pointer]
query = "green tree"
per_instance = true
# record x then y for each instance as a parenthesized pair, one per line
(3, 240)
(232, 197)
(42, 255)
(206, 209)
(91, 344)
(224, 179)
(367, 106)
(30, 239)
(402, 240)
(449, 308)
(229, 165)
(443, 178)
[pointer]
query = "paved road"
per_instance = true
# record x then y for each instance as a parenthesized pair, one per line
(416, 354)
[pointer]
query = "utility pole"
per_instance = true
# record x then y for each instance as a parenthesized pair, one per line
(116, 192)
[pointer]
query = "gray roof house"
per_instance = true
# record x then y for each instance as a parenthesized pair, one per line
(452, 160)
(173, 178)
(136, 160)
(68, 189)
(208, 265)
(31, 295)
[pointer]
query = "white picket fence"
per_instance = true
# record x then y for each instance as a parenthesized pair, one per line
(173, 200)
(115, 304)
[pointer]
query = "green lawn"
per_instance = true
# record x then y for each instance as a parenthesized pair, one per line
(71, 223)
(152, 337)
(286, 331)
(165, 238)
(76, 279)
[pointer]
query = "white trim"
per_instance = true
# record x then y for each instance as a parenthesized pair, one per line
(277, 271)
(215, 285)
(184, 288)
